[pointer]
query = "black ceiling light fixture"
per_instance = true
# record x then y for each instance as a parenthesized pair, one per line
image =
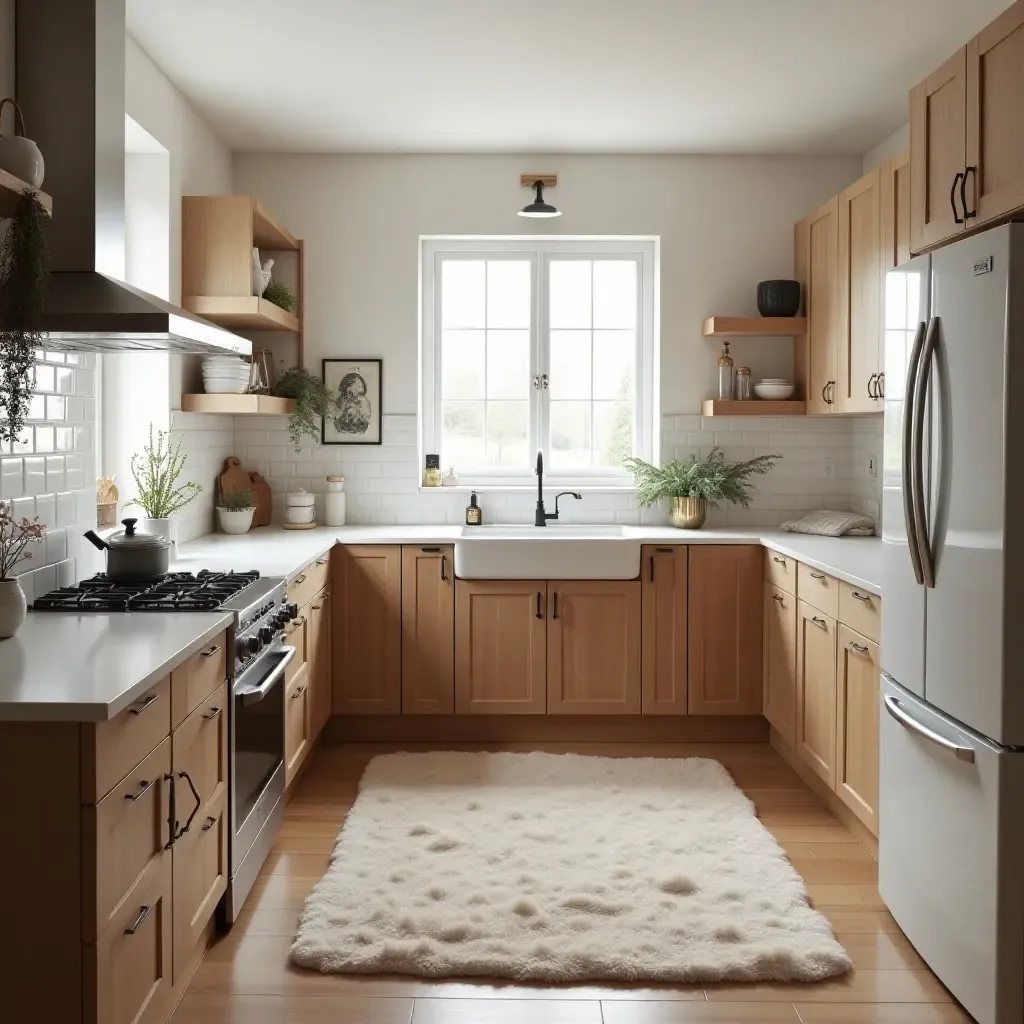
(539, 208)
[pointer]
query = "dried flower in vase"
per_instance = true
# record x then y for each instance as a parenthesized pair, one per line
(15, 537)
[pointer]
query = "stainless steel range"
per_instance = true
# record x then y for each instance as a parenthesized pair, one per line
(256, 724)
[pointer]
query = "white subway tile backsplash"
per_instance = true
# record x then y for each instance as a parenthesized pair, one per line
(55, 472)
(56, 408)
(11, 478)
(46, 509)
(65, 509)
(56, 545)
(35, 474)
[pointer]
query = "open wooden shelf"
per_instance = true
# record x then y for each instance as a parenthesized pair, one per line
(755, 326)
(754, 407)
(11, 189)
(241, 312)
(238, 405)
(267, 233)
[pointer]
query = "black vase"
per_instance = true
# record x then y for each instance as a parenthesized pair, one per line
(778, 298)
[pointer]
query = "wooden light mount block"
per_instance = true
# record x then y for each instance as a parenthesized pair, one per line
(529, 180)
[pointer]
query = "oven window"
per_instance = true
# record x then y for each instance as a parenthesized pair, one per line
(259, 748)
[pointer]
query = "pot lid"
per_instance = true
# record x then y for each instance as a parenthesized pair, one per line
(128, 539)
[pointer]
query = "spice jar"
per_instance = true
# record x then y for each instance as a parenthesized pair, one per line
(725, 365)
(741, 385)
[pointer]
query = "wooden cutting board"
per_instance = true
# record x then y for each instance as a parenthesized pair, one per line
(261, 496)
(234, 478)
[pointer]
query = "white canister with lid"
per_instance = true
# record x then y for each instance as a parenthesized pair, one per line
(299, 508)
(334, 501)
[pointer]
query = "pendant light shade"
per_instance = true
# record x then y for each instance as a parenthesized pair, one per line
(539, 208)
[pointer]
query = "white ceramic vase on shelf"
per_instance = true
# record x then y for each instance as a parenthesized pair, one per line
(12, 608)
(235, 520)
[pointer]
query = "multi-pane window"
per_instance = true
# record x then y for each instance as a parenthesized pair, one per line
(539, 344)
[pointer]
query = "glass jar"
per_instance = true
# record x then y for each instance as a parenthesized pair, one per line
(725, 365)
(741, 385)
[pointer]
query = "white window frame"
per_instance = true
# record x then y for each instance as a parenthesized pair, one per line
(541, 251)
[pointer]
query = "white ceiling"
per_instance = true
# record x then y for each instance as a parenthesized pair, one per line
(594, 76)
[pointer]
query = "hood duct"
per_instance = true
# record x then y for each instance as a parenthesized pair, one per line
(70, 67)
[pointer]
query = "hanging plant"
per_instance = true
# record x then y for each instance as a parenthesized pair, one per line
(314, 401)
(24, 280)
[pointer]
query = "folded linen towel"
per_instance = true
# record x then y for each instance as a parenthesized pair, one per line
(830, 523)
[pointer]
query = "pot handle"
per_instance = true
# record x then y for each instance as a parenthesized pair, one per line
(19, 118)
(96, 541)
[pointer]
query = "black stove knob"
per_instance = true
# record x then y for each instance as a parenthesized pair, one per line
(266, 635)
(248, 646)
(291, 610)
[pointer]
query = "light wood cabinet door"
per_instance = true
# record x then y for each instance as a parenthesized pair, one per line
(428, 630)
(594, 647)
(663, 667)
(128, 970)
(366, 591)
(995, 118)
(196, 678)
(857, 725)
(817, 269)
(780, 661)
(725, 630)
(318, 645)
(860, 285)
(894, 197)
(296, 635)
(816, 690)
(938, 153)
(296, 724)
(500, 647)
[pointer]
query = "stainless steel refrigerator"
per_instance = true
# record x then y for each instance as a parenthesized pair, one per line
(951, 800)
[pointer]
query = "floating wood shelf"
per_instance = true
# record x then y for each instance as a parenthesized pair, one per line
(11, 189)
(242, 313)
(238, 405)
(755, 407)
(267, 233)
(755, 326)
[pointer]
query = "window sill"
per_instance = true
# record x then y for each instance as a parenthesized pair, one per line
(531, 489)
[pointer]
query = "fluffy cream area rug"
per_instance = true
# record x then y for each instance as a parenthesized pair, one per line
(561, 868)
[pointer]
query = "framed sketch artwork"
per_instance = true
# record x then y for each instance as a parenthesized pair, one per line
(357, 383)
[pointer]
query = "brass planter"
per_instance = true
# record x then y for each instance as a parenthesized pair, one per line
(688, 513)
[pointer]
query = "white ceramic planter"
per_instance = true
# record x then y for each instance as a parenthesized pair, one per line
(235, 520)
(160, 528)
(12, 608)
(21, 157)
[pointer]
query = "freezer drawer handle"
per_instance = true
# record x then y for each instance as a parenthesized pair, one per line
(895, 709)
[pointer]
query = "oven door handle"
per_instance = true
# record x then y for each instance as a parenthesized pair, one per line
(254, 694)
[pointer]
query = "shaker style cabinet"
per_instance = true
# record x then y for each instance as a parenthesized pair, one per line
(857, 709)
(780, 661)
(816, 249)
(664, 575)
(428, 630)
(816, 691)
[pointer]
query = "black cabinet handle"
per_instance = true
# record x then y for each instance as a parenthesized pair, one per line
(195, 810)
(872, 386)
(430, 551)
(148, 702)
(144, 912)
(211, 714)
(963, 192)
(958, 177)
(824, 395)
(209, 823)
(444, 567)
(652, 568)
(554, 610)
(540, 605)
(880, 388)
(172, 813)
(146, 787)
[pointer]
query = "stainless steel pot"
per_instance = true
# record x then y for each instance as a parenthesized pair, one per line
(133, 557)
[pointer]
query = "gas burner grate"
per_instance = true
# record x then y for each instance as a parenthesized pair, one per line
(175, 592)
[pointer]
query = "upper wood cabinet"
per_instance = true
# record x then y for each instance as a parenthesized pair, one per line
(593, 647)
(663, 659)
(780, 661)
(857, 712)
(895, 202)
(428, 630)
(366, 591)
(725, 596)
(500, 647)
(816, 247)
(816, 691)
(860, 285)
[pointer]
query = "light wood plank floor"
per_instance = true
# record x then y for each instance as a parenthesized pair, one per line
(246, 979)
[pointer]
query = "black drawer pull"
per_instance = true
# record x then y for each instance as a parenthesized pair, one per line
(148, 702)
(146, 787)
(137, 923)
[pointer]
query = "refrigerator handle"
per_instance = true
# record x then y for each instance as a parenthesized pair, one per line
(923, 380)
(897, 711)
(908, 451)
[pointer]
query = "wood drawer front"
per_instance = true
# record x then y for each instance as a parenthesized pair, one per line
(195, 679)
(296, 637)
(201, 872)
(128, 970)
(309, 582)
(819, 589)
(780, 570)
(123, 836)
(199, 749)
(296, 723)
(120, 744)
(860, 610)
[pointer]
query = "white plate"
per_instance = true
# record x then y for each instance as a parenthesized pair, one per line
(225, 388)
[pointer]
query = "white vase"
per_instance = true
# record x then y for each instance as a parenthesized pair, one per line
(160, 528)
(21, 157)
(235, 520)
(12, 608)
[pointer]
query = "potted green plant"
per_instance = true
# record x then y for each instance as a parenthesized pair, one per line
(156, 472)
(235, 510)
(692, 485)
(15, 536)
(281, 295)
(314, 402)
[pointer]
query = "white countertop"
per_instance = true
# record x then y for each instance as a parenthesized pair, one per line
(66, 667)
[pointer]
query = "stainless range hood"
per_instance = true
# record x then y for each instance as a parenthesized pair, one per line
(70, 68)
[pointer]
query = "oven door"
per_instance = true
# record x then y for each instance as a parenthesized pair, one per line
(257, 749)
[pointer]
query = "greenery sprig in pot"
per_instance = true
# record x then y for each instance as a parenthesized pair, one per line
(156, 472)
(235, 510)
(694, 484)
(314, 402)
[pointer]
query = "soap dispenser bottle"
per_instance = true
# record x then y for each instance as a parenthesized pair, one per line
(474, 514)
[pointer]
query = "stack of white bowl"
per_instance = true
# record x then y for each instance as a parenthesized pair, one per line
(226, 375)
(774, 389)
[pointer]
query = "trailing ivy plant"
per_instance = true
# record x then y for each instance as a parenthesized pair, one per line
(156, 472)
(314, 401)
(24, 281)
(710, 478)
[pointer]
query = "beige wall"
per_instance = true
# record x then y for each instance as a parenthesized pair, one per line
(888, 147)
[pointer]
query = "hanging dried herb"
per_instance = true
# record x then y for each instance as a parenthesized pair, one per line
(24, 280)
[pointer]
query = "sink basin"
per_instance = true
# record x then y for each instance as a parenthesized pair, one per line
(546, 553)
